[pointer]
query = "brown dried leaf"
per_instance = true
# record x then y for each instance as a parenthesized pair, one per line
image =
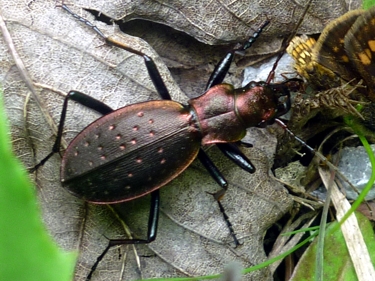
(218, 22)
(60, 54)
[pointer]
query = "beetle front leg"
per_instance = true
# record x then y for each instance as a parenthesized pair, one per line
(221, 69)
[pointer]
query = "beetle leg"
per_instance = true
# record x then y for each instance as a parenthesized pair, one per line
(229, 150)
(222, 67)
(151, 232)
(219, 178)
(89, 102)
(218, 196)
(232, 151)
(226, 218)
(84, 100)
(212, 169)
(150, 64)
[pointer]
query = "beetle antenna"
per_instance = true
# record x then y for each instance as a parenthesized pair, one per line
(285, 43)
(314, 152)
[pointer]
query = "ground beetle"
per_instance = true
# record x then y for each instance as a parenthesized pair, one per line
(135, 150)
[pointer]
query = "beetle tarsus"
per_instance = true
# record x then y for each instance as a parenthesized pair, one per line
(218, 196)
(231, 230)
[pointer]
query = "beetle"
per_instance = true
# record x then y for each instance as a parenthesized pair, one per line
(135, 150)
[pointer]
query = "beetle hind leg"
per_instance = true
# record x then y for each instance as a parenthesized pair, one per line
(151, 232)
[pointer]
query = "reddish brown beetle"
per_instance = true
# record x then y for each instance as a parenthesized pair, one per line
(135, 150)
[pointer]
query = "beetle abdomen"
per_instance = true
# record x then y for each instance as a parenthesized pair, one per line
(130, 152)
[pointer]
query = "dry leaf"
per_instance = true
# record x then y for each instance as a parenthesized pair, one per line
(61, 54)
(218, 22)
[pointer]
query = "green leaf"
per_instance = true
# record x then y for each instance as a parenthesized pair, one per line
(27, 252)
(368, 4)
(337, 264)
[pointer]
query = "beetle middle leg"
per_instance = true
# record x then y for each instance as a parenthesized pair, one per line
(230, 150)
